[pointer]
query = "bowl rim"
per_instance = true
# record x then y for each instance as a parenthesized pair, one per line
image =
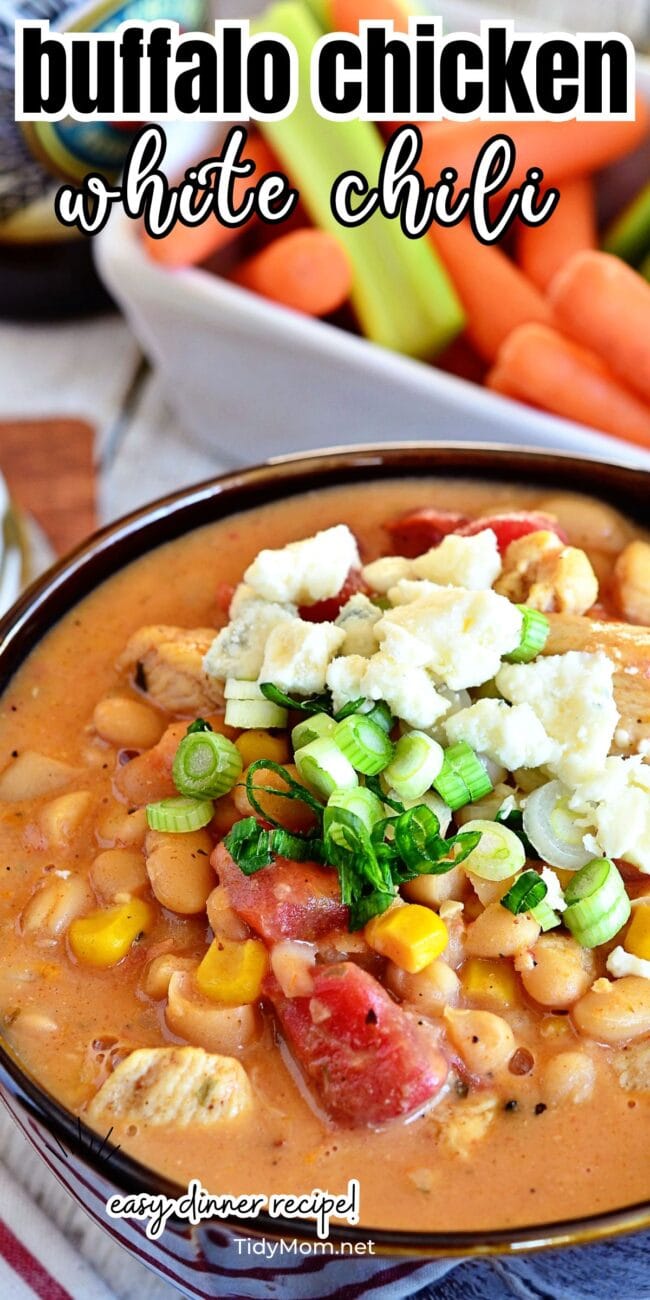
(72, 577)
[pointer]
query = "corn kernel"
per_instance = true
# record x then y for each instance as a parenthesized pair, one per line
(232, 972)
(261, 744)
(495, 981)
(637, 939)
(411, 936)
(104, 938)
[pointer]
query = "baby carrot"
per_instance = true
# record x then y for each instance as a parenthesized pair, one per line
(538, 365)
(494, 293)
(561, 149)
(307, 270)
(605, 305)
(543, 250)
(497, 380)
(189, 245)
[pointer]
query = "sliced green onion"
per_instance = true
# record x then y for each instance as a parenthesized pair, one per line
(324, 767)
(430, 800)
(352, 706)
(236, 689)
(527, 892)
(415, 764)
(252, 847)
(249, 846)
(180, 814)
(363, 803)
(206, 765)
(364, 906)
(199, 724)
(252, 714)
(248, 708)
(552, 830)
(514, 820)
(546, 918)
(300, 848)
(500, 853)
(381, 714)
(294, 790)
(315, 704)
(535, 628)
(421, 847)
(462, 778)
(312, 729)
(597, 903)
(364, 743)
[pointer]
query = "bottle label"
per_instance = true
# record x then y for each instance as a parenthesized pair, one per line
(33, 154)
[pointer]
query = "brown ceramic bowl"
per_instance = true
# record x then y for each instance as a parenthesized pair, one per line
(199, 1261)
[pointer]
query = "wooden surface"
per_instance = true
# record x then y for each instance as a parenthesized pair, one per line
(48, 465)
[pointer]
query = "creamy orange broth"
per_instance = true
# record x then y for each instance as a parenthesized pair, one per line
(565, 1161)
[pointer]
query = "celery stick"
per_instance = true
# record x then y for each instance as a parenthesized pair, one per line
(629, 235)
(402, 296)
(320, 10)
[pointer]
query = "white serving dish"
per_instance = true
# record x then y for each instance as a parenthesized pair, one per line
(249, 379)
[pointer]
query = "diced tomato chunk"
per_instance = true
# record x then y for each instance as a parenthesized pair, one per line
(289, 900)
(419, 530)
(366, 1061)
(325, 611)
(513, 525)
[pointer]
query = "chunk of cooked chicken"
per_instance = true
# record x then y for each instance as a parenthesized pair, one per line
(172, 1085)
(632, 582)
(538, 570)
(466, 1124)
(168, 662)
(629, 649)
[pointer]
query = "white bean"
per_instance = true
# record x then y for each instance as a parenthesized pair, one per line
(179, 870)
(430, 991)
(498, 933)
(51, 909)
(127, 723)
(61, 820)
(562, 973)
(431, 891)
(206, 1024)
(569, 1076)
(118, 826)
(485, 1041)
(119, 872)
(223, 918)
(158, 973)
(614, 1012)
